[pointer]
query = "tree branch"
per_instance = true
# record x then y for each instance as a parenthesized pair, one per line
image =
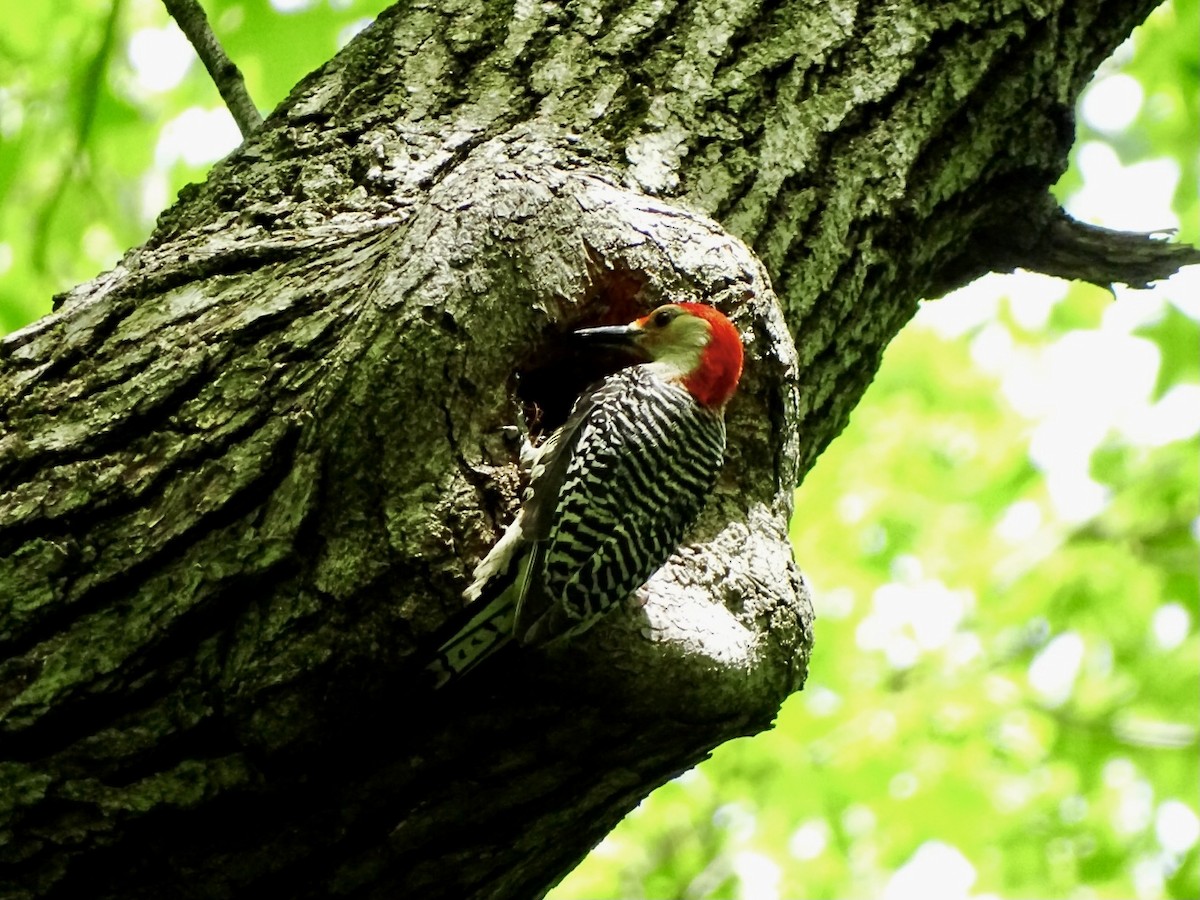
(1073, 249)
(225, 74)
(1040, 236)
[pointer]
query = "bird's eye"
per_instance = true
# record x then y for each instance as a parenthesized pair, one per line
(663, 318)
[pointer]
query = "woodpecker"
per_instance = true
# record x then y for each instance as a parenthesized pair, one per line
(612, 491)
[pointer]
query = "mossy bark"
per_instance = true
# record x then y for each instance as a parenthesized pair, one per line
(245, 475)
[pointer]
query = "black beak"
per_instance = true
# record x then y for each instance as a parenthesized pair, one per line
(622, 337)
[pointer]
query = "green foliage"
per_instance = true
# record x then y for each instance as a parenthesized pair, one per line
(1166, 63)
(1002, 544)
(95, 139)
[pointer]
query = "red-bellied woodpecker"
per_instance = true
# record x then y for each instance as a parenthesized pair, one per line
(612, 491)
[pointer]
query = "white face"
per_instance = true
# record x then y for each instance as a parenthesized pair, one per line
(675, 339)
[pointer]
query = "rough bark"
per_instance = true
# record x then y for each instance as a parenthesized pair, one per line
(245, 475)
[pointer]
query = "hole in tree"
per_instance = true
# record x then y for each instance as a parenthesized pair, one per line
(563, 368)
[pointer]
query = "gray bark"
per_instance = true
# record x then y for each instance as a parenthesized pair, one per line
(245, 475)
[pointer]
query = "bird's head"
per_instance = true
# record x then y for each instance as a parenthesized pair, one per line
(691, 343)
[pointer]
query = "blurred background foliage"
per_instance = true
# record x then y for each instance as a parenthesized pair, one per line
(1002, 544)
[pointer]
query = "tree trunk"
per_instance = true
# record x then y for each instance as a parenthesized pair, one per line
(244, 477)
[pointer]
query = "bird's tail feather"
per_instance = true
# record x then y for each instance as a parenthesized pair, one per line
(487, 630)
(500, 582)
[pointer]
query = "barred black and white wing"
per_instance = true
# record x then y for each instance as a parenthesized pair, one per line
(642, 461)
(611, 496)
